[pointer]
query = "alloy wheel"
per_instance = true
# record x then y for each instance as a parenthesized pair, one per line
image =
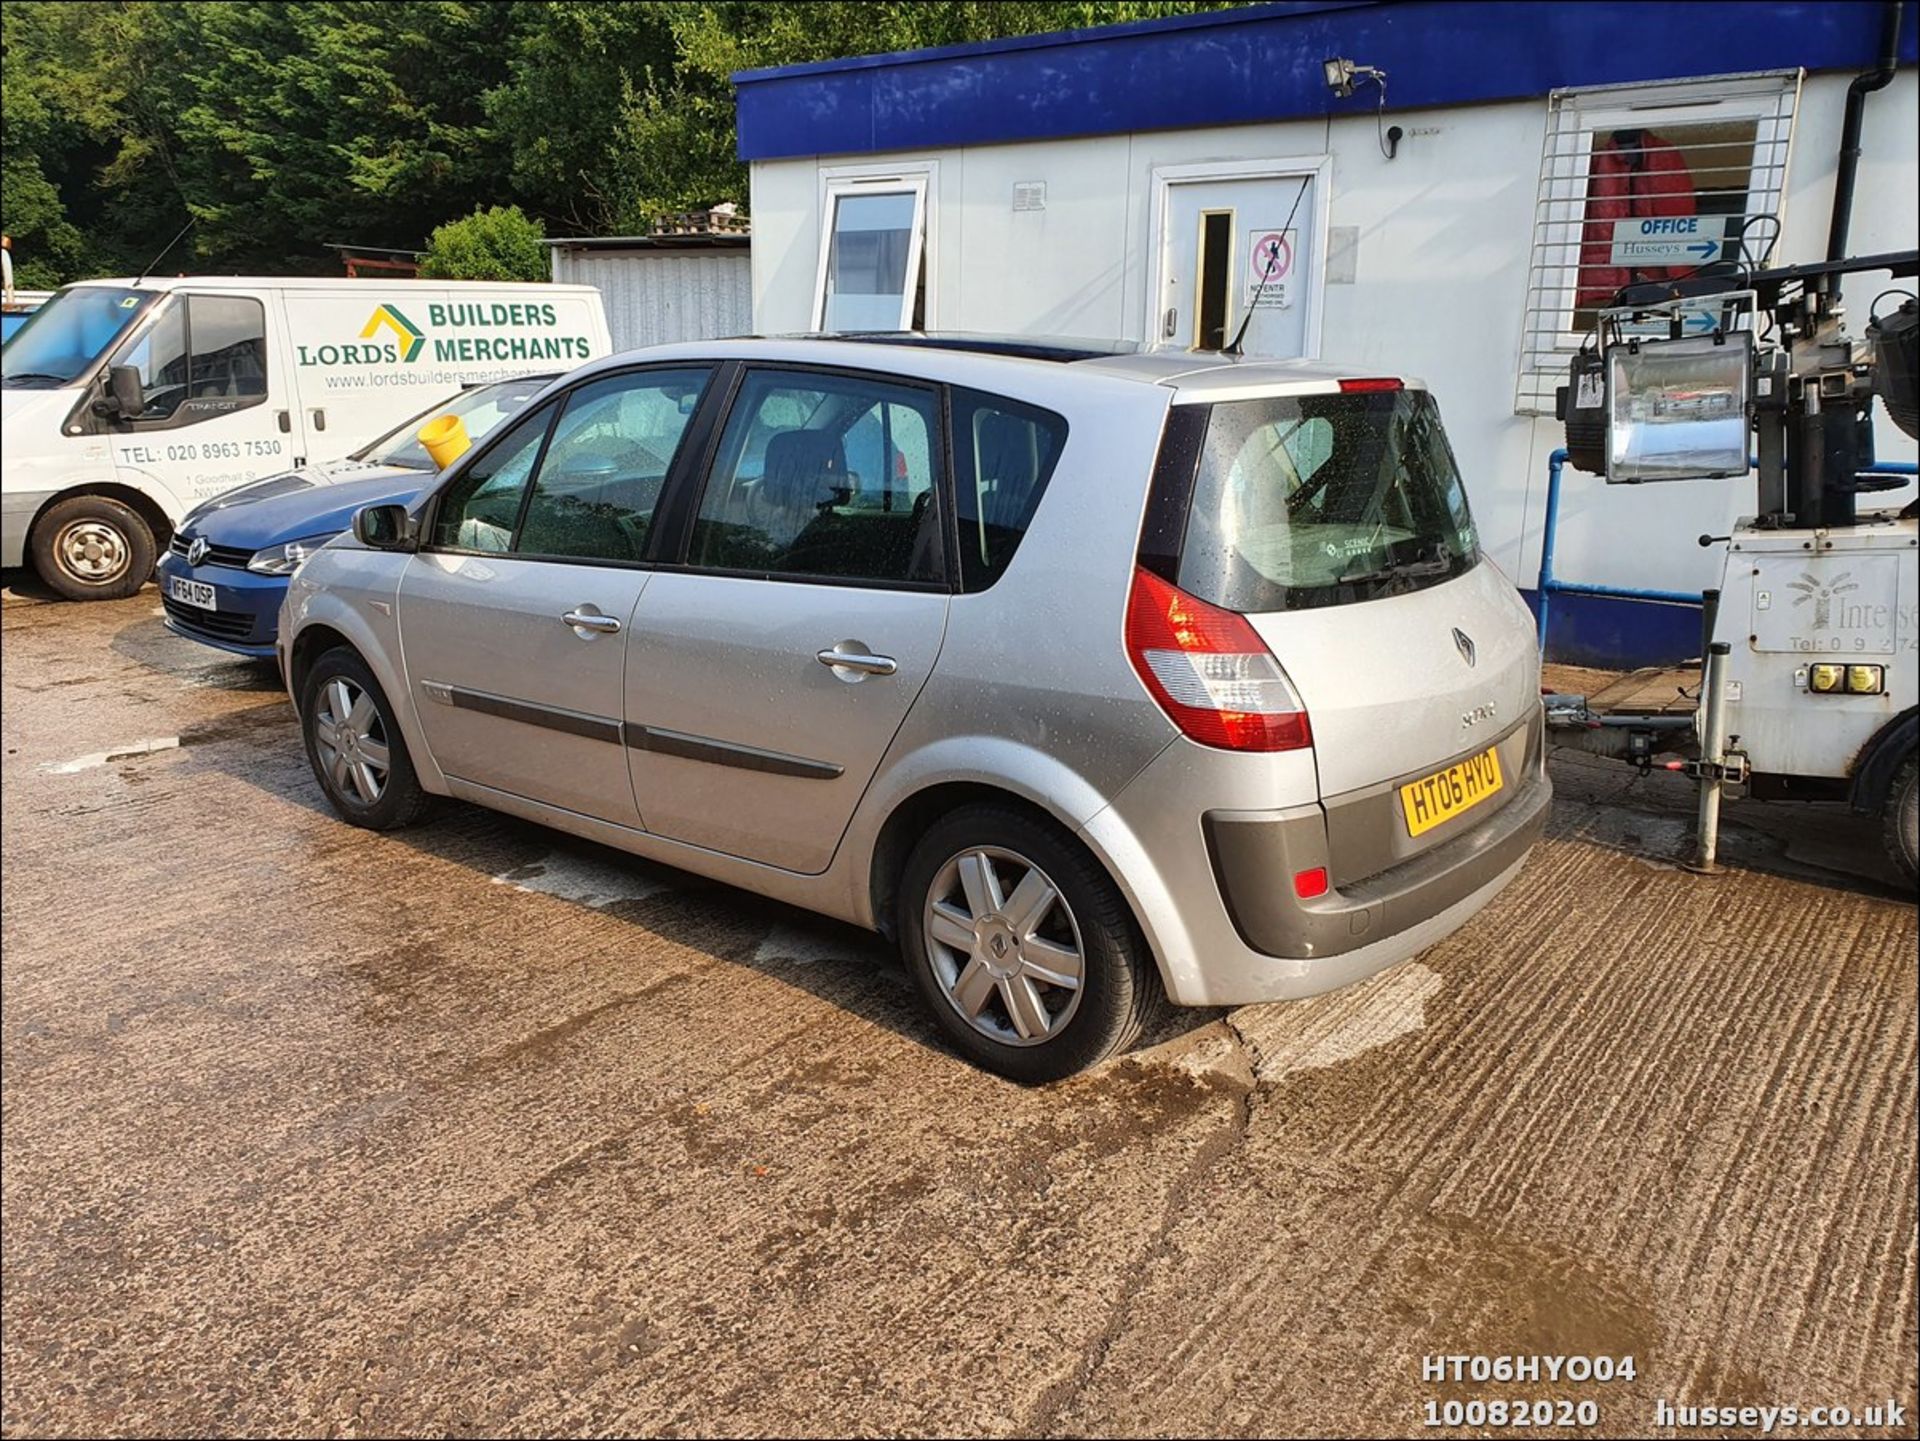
(1004, 946)
(352, 740)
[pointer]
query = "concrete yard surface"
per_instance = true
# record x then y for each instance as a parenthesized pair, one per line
(476, 1128)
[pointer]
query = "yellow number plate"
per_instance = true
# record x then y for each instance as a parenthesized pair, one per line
(1440, 797)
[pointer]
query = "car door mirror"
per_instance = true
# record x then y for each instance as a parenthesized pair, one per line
(383, 527)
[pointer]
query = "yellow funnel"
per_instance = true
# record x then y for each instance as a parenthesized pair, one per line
(446, 439)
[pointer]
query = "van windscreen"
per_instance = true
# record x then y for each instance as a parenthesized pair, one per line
(67, 334)
(1315, 500)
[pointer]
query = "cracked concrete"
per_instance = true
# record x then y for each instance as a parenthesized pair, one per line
(477, 1129)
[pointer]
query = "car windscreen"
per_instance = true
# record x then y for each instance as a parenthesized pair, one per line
(479, 409)
(1315, 500)
(65, 336)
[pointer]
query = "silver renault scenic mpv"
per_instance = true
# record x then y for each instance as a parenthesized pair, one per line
(1088, 676)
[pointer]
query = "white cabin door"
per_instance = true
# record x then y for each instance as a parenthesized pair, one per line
(1234, 247)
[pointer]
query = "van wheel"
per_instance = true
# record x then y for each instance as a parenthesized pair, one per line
(91, 548)
(1901, 820)
(356, 749)
(1021, 946)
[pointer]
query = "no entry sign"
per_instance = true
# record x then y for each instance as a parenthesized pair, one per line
(1269, 264)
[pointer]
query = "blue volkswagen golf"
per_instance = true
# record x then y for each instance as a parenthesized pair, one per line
(225, 572)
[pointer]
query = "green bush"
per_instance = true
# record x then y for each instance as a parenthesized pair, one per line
(496, 244)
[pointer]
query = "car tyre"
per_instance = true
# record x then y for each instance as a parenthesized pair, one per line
(990, 951)
(355, 747)
(89, 547)
(1900, 820)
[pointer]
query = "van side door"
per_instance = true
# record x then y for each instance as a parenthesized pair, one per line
(209, 382)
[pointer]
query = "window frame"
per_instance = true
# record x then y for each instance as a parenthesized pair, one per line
(1769, 98)
(918, 179)
(695, 440)
(939, 454)
(192, 410)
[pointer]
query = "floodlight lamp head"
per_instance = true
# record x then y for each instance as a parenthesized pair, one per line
(1342, 75)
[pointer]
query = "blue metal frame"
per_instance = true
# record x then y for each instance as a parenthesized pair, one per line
(1262, 63)
(1550, 585)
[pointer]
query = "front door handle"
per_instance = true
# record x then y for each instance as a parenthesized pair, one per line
(319, 420)
(860, 661)
(589, 620)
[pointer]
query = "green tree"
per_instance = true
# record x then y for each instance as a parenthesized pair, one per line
(281, 127)
(575, 70)
(312, 123)
(679, 141)
(496, 244)
(57, 106)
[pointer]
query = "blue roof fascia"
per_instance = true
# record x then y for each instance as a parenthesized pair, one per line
(1262, 63)
(1237, 15)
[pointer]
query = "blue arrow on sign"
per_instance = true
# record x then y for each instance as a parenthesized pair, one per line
(1705, 249)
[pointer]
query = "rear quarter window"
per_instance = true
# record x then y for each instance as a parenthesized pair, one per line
(1004, 455)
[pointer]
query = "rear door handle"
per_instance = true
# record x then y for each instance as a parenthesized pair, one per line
(319, 420)
(591, 620)
(859, 661)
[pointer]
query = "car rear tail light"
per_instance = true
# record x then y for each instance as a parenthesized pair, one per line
(1210, 672)
(1308, 885)
(1370, 383)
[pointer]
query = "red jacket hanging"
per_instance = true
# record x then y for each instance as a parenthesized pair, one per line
(1647, 177)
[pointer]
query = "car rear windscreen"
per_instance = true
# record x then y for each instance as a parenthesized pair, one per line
(1319, 500)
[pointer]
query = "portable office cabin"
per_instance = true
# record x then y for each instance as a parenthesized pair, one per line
(663, 288)
(1126, 181)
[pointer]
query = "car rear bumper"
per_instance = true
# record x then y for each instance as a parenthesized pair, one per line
(1256, 856)
(1211, 879)
(246, 614)
(1382, 879)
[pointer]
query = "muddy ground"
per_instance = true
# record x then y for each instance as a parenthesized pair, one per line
(477, 1128)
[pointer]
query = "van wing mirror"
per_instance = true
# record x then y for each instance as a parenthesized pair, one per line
(384, 527)
(126, 397)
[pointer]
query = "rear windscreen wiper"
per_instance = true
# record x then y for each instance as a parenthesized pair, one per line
(1400, 570)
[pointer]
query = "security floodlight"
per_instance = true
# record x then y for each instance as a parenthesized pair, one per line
(1342, 75)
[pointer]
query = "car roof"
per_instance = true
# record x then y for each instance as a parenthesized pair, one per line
(1197, 376)
(1057, 348)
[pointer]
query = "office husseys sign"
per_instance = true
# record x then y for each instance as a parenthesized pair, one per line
(461, 333)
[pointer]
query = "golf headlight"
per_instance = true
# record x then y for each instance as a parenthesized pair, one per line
(286, 559)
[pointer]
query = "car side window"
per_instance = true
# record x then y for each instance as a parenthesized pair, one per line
(825, 476)
(1004, 453)
(480, 510)
(601, 479)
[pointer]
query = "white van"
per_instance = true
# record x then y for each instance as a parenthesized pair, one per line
(128, 402)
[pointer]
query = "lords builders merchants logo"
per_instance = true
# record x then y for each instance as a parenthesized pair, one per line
(464, 333)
